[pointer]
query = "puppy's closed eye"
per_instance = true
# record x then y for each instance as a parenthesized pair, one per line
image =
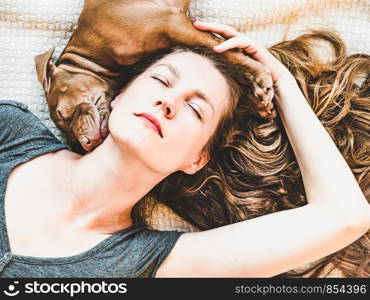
(83, 88)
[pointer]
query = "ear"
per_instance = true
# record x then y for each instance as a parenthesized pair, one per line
(114, 102)
(197, 165)
(44, 68)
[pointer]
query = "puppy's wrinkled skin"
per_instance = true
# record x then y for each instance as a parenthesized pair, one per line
(110, 36)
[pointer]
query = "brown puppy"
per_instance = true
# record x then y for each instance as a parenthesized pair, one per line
(112, 35)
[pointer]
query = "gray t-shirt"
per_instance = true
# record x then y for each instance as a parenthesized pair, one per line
(133, 252)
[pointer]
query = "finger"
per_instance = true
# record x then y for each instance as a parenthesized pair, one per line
(224, 30)
(253, 48)
(234, 42)
(250, 46)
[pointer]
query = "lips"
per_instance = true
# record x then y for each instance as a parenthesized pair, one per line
(152, 122)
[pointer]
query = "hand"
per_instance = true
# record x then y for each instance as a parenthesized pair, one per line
(235, 39)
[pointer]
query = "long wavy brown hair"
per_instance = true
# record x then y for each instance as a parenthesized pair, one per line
(253, 170)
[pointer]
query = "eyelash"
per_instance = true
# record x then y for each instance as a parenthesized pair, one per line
(167, 85)
(196, 112)
(161, 81)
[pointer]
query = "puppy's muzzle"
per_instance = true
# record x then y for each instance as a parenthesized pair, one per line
(86, 125)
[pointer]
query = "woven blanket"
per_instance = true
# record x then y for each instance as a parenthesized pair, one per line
(30, 27)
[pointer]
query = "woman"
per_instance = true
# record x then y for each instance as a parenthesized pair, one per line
(75, 220)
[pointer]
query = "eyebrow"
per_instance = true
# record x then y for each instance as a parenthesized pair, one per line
(198, 93)
(173, 69)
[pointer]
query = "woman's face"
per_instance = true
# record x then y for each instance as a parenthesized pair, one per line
(187, 97)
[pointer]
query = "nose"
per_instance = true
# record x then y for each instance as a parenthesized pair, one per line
(168, 108)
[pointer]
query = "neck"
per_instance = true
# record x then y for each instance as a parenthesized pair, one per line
(105, 185)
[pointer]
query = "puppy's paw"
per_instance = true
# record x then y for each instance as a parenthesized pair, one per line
(263, 93)
(258, 80)
(266, 111)
(104, 112)
(263, 85)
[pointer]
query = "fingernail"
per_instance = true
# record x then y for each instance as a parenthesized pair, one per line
(217, 48)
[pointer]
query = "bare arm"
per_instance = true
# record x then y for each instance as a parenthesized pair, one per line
(329, 182)
(336, 215)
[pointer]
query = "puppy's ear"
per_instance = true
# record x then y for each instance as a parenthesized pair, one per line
(44, 68)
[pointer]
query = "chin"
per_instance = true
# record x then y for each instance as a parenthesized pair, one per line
(142, 144)
(148, 153)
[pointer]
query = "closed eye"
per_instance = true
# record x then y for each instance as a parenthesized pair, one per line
(195, 110)
(161, 80)
(164, 82)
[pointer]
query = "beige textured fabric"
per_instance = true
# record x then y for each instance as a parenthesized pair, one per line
(30, 27)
